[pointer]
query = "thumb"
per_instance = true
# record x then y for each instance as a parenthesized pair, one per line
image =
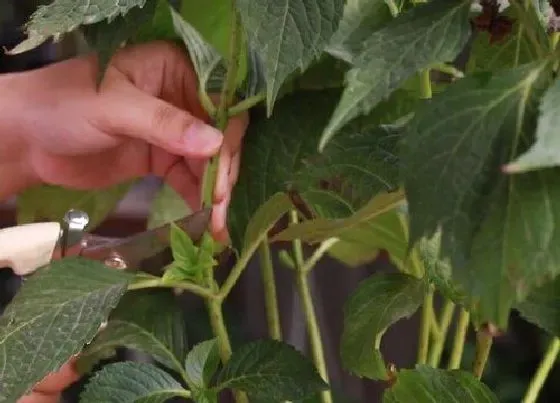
(142, 116)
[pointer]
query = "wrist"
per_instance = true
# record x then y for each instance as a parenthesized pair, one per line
(15, 173)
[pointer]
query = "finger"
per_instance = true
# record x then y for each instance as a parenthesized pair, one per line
(56, 382)
(185, 184)
(234, 132)
(234, 170)
(222, 177)
(218, 221)
(136, 114)
(40, 398)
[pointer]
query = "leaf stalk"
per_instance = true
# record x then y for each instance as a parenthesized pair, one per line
(459, 339)
(425, 325)
(484, 339)
(439, 338)
(542, 372)
(270, 295)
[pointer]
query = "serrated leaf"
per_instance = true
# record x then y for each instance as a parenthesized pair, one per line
(288, 35)
(57, 311)
(544, 153)
(429, 33)
(272, 370)
(275, 151)
(484, 217)
(360, 20)
(63, 16)
(50, 203)
(168, 206)
(106, 37)
(320, 229)
(431, 385)
(376, 304)
(206, 60)
(201, 364)
(148, 321)
(182, 246)
(542, 307)
(131, 382)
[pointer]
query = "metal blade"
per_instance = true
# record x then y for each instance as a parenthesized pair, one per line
(137, 250)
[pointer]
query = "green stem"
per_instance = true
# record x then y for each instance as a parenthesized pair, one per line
(459, 339)
(236, 272)
(270, 297)
(246, 104)
(554, 39)
(483, 346)
(302, 270)
(542, 372)
(220, 332)
(392, 7)
(448, 69)
(318, 254)
(426, 89)
(314, 332)
(441, 335)
(427, 317)
(159, 283)
(226, 98)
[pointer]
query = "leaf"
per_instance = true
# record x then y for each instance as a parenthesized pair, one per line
(57, 311)
(148, 321)
(159, 28)
(132, 382)
(376, 304)
(212, 19)
(106, 37)
(360, 20)
(52, 202)
(201, 364)
(320, 229)
(272, 370)
(168, 206)
(280, 153)
(205, 396)
(288, 35)
(428, 34)
(484, 217)
(205, 58)
(431, 385)
(542, 307)
(545, 150)
(63, 16)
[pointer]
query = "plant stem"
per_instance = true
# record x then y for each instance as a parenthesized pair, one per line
(542, 372)
(554, 38)
(483, 346)
(448, 69)
(302, 272)
(426, 89)
(159, 283)
(440, 337)
(236, 272)
(314, 332)
(318, 254)
(220, 332)
(427, 317)
(392, 7)
(459, 339)
(270, 297)
(226, 98)
(246, 104)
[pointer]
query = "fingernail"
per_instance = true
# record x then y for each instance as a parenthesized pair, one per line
(202, 140)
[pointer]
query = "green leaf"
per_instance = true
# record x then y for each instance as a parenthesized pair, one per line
(271, 370)
(288, 35)
(484, 216)
(106, 37)
(52, 202)
(131, 382)
(205, 396)
(56, 312)
(206, 60)
(146, 320)
(431, 385)
(62, 16)
(545, 151)
(201, 364)
(360, 20)
(376, 304)
(542, 307)
(320, 229)
(280, 153)
(159, 28)
(190, 261)
(182, 246)
(429, 33)
(168, 206)
(513, 50)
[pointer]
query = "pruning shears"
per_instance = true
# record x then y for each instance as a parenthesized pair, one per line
(25, 248)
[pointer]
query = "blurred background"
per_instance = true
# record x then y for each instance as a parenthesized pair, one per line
(514, 356)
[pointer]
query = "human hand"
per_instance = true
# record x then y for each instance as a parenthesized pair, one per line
(49, 390)
(145, 119)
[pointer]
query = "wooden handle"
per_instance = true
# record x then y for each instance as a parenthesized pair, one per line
(27, 247)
